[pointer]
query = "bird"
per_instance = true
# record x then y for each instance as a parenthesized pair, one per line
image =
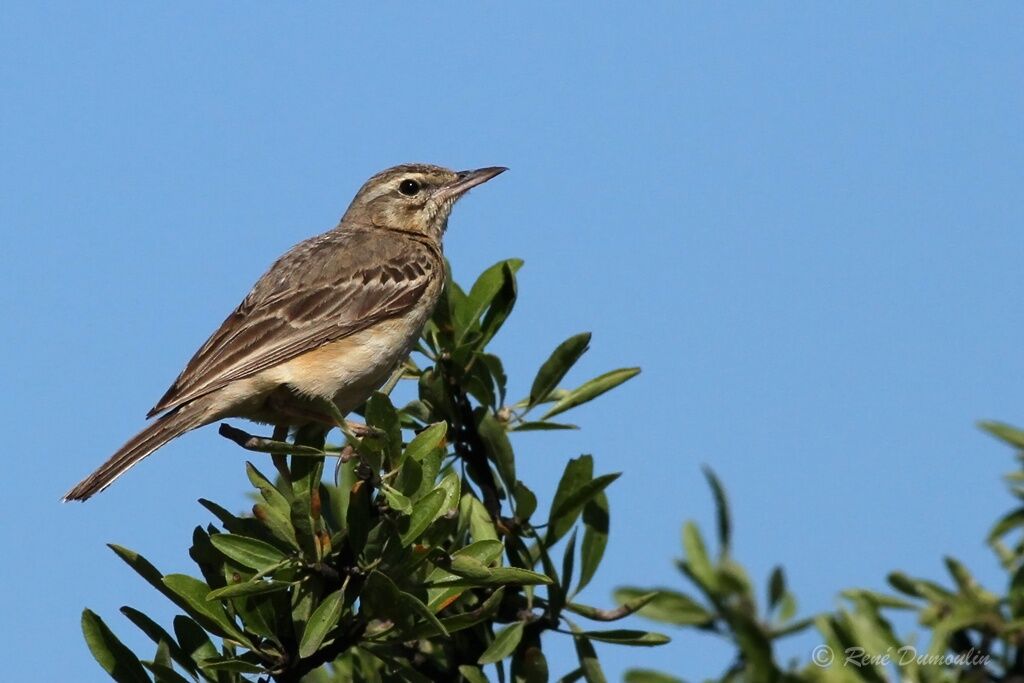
(331, 319)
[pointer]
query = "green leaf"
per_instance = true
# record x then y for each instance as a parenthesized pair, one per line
(231, 664)
(667, 606)
(357, 518)
(557, 365)
(487, 609)
(158, 635)
(595, 538)
(472, 674)
(1006, 524)
(248, 552)
(504, 644)
(721, 509)
(776, 587)
(396, 500)
(627, 608)
(494, 292)
(589, 664)
(424, 512)
(530, 665)
(381, 598)
(568, 564)
(697, 558)
(649, 676)
(591, 390)
(324, 618)
(431, 438)
(475, 515)
(541, 427)
(628, 637)
(499, 448)
(468, 567)
(244, 588)
(142, 567)
(380, 413)
(190, 594)
(574, 491)
(485, 552)
(451, 484)
(500, 576)
(526, 502)
(1005, 432)
(193, 639)
(164, 673)
(116, 659)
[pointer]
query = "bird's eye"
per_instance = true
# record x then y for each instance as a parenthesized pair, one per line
(409, 188)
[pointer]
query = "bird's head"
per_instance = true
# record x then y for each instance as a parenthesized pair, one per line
(416, 197)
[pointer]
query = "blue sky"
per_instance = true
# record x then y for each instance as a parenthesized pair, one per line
(803, 220)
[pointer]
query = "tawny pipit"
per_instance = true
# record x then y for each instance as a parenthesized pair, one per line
(330, 320)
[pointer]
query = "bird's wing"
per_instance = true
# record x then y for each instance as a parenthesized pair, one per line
(324, 289)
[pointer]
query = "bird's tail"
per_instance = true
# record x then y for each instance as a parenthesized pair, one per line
(138, 447)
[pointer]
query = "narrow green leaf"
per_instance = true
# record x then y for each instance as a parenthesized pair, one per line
(142, 567)
(721, 509)
(190, 594)
(487, 609)
(649, 676)
(566, 508)
(541, 427)
(431, 438)
(473, 514)
(248, 552)
(595, 538)
(697, 558)
(499, 448)
(504, 644)
(776, 587)
(193, 640)
(589, 664)
(117, 660)
(557, 365)
(591, 390)
(358, 516)
(164, 674)
(243, 588)
(396, 500)
(628, 637)
(568, 564)
(158, 635)
(424, 512)
(485, 552)
(667, 606)
(1012, 520)
(473, 674)
(231, 664)
(1005, 432)
(468, 567)
(499, 576)
(452, 487)
(380, 413)
(324, 618)
(526, 502)
(627, 608)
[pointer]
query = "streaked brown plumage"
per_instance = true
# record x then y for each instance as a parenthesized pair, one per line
(331, 319)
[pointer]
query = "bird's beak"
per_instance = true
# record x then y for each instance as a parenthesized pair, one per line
(467, 180)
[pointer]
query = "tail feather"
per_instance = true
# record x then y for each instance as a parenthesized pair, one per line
(138, 447)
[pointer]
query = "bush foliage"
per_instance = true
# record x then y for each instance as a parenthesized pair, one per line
(423, 558)
(971, 633)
